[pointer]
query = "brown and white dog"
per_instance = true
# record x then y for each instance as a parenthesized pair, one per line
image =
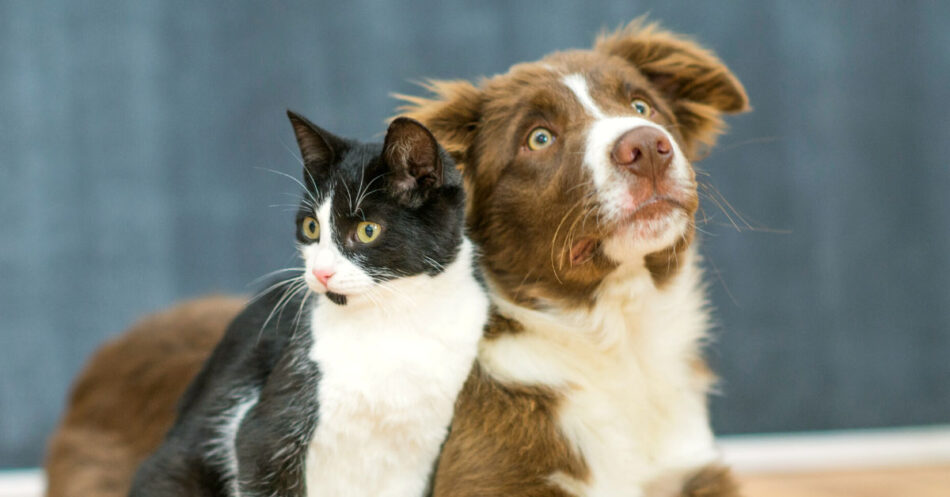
(590, 380)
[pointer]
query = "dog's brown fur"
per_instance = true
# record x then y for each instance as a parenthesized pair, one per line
(124, 401)
(505, 438)
(713, 481)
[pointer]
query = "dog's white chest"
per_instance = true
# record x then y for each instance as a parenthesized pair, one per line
(632, 405)
(644, 430)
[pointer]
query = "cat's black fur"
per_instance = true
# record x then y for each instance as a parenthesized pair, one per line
(191, 460)
(416, 189)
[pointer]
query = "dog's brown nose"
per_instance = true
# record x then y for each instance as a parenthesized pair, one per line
(644, 151)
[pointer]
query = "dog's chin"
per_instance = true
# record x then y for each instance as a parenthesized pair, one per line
(653, 228)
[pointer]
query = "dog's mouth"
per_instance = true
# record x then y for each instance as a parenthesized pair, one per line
(647, 222)
(583, 250)
(653, 219)
(657, 206)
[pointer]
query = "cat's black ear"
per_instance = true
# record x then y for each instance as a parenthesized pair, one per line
(318, 147)
(414, 158)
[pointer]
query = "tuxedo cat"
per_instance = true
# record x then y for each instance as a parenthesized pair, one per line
(342, 380)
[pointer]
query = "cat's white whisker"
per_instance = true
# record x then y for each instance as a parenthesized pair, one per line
(362, 193)
(290, 298)
(434, 263)
(267, 290)
(359, 188)
(376, 300)
(272, 273)
(292, 153)
(312, 181)
(349, 198)
(295, 180)
(305, 201)
(396, 293)
(300, 310)
(291, 290)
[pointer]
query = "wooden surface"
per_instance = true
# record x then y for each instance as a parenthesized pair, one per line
(931, 481)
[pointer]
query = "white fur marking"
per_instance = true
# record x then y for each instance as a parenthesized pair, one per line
(633, 407)
(578, 84)
(222, 449)
(348, 278)
(390, 376)
(231, 433)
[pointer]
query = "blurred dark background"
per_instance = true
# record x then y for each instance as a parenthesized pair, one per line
(133, 138)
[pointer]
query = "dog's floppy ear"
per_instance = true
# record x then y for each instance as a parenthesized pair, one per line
(452, 114)
(698, 84)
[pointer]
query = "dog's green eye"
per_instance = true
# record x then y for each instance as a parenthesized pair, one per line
(641, 107)
(367, 232)
(540, 138)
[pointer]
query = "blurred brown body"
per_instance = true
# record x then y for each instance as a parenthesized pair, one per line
(124, 401)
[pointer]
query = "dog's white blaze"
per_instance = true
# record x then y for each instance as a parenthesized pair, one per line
(605, 131)
(633, 407)
(578, 84)
(390, 376)
(348, 278)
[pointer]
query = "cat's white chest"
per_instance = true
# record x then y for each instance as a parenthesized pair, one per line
(389, 379)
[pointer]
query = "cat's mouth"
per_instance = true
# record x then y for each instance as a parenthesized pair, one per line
(322, 287)
(336, 298)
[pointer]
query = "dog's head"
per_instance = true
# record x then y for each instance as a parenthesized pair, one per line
(580, 163)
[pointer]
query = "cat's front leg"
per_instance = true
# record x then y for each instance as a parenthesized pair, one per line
(272, 440)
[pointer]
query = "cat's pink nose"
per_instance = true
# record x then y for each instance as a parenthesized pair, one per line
(322, 275)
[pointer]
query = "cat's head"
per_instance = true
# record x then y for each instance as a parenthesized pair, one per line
(375, 212)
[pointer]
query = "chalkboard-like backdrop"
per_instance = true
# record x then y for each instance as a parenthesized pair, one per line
(133, 138)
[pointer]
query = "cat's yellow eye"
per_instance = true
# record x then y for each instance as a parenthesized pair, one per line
(367, 231)
(540, 138)
(310, 228)
(641, 106)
